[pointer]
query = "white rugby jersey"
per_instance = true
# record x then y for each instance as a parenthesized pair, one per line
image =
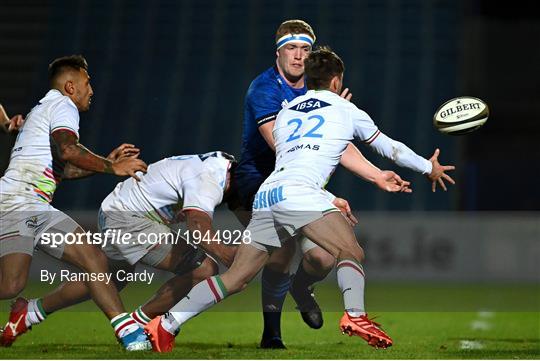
(313, 131)
(34, 171)
(173, 185)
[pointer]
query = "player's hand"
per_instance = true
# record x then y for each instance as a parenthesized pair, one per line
(438, 174)
(126, 150)
(129, 166)
(389, 181)
(345, 209)
(345, 94)
(15, 123)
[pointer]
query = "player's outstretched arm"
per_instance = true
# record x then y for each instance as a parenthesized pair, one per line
(201, 222)
(354, 161)
(71, 151)
(403, 156)
(438, 174)
(9, 125)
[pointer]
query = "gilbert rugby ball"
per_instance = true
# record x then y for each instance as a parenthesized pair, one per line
(461, 115)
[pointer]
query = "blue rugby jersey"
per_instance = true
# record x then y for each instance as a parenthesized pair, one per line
(265, 97)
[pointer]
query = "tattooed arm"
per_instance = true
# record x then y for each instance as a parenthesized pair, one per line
(73, 172)
(71, 151)
(123, 151)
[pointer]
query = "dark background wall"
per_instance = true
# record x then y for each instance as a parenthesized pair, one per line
(170, 76)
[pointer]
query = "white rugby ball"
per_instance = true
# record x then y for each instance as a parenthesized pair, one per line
(461, 115)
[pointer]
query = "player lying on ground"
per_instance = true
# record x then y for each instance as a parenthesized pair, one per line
(8, 124)
(292, 202)
(46, 151)
(183, 188)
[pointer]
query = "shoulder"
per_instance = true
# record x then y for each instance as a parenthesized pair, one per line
(298, 100)
(64, 105)
(351, 108)
(264, 84)
(188, 166)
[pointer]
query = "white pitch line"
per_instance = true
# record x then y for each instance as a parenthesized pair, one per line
(470, 345)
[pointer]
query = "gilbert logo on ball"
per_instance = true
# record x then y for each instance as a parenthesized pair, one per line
(461, 115)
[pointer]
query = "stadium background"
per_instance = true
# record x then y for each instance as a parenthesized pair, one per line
(170, 77)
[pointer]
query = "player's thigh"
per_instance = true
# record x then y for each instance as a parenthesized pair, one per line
(148, 241)
(334, 234)
(85, 255)
(248, 262)
(18, 230)
(63, 230)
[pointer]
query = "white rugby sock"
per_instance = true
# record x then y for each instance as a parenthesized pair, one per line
(123, 325)
(140, 317)
(36, 314)
(204, 295)
(350, 276)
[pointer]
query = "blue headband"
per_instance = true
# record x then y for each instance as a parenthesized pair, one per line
(304, 38)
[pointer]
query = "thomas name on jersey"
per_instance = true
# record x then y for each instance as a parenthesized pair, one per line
(304, 146)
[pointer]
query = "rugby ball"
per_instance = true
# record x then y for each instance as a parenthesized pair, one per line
(461, 115)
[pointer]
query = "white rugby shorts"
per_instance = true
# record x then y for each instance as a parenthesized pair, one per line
(282, 208)
(147, 242)
(22, 226)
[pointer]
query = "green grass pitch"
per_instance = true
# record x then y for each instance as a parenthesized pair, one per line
(425, 321)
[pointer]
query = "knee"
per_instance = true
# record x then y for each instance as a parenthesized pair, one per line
(205, 270)
(357, 254)
(319, 259)
(92, 259)
(354, 253)
(278, 266)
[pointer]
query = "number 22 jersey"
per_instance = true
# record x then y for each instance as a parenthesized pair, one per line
(312, 133)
